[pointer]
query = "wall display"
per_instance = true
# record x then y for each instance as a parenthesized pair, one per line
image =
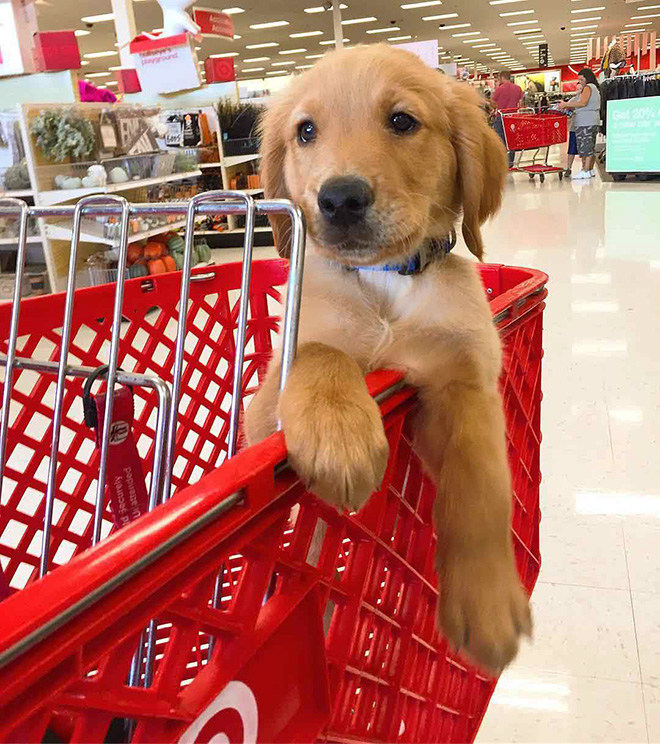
(633, 135)
(544, 82)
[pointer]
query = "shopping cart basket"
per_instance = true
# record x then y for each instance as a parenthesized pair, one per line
(242, 609)
(536, 133)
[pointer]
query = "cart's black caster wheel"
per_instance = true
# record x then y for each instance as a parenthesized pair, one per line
(541, 177)
(561, 176)
(618, 177)
(531, 176)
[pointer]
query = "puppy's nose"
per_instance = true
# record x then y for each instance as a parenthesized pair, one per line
(344, 201)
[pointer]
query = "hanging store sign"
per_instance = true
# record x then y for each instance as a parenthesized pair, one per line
(166, 64)
(543, 55)
(213, 23)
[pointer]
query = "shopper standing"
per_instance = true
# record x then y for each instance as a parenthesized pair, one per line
(572, 139)
(507, 95)
(587, 121)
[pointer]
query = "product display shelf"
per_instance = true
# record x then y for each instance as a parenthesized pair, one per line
(24, 194)
(31, 240)
(89, 235)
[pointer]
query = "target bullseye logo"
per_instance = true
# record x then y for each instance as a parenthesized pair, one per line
(232, 718)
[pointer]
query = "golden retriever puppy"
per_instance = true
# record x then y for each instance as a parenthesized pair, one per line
(385, 155)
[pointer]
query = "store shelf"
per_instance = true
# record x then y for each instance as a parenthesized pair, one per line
(242, 230)
(232, 160)
(14, 241)
(57, 196)
(61, 232)
(16, 194)
(204, 166)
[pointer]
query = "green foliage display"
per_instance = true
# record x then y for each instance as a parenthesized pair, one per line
(62, 134)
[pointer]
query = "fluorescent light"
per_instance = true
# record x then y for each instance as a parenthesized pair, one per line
(98, 18)
(233, 11)
(383, 30)
(427, 4)
(648, 7)
(632, 30)
(307, 56)
(224, 54)
(467, 33)
(586, 20)
(505, 2)
(472, 41)
(354, 21)
(293, 51)
(522, 23)
(81, 32)
(586, 33)
(588, 10)
(98, 74)
(484, 46)
(398, 38)
(270, 24)
(303, 67)
(527, 31)
(289, 62)
(253, 69)
(649, 15)
(98, 55)
(278, 72)
(85, 62)
(321, 9)
(454, 25)
(332, 41)
(516, 13)
(440, 17)
(261, 46)
(305, 33)
(529, 38)
(583, 28)
(257, 59)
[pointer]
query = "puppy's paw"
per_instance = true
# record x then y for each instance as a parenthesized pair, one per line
(338, 447)
(484, 610)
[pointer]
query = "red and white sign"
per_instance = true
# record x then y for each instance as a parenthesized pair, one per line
(213, 22)
(219, 70)
(166, 64)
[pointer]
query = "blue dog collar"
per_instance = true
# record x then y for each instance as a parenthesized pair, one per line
(432, 250)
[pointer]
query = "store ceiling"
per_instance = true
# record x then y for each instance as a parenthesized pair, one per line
(483, 32)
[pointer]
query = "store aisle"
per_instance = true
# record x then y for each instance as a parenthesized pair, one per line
(593, 671)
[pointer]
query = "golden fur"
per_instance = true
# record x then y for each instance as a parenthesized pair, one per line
(435, 326)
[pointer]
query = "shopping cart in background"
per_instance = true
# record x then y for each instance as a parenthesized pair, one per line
(228, 604)
(526, 131)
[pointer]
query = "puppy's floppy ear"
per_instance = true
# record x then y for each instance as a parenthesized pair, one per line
(273, 152)
(482, 164)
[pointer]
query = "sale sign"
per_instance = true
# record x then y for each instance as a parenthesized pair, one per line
(213, 23)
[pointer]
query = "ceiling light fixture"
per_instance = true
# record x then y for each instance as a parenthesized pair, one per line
(398, 38)
(289, 62)
(321, 8)
(522, 23)
(292, 51)
(588, 10)
(233, 11)
(98, 74)
(270, 24)
(354, 21)
(303, 67)
(585, 20)
(427, 4)
(505, 2)
(643, 17)
(585, 33)
(440, 17)
(257, 59)
(303, 34)
(583, 28)
(98, 18)
(224, 54)
(452, 26)
(253, 69)
(382, 30)
(472, 41)
(81, 32)
(527, 31)
(516, 13)
(260, 46)
(466, 33)
(307, 56)
(278, 72)
(98, 55)
(332, 41)
(85, 62)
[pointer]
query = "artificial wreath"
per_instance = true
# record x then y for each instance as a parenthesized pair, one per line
(61, 134)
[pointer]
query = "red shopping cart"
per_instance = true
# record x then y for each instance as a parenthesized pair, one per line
(535, 133)
(242, 609)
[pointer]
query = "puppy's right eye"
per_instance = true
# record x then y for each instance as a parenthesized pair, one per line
(306, 132)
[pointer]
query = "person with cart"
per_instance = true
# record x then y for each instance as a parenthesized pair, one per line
(587, 121)
(572, 139)
(507, 95)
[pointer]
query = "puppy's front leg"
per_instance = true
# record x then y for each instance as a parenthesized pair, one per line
(333, 429)
(483, 608)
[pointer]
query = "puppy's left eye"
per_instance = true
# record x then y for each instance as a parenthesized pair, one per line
(402, 123)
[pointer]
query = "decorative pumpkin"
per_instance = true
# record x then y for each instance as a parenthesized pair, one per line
(135, 253)
(157, 266)
(153, 250)
(169, 262)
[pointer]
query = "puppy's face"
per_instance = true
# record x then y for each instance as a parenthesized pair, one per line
(381, 152)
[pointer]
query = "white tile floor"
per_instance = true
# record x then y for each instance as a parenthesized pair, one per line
(592, 673)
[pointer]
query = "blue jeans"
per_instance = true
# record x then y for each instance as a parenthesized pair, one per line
(498, 126)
